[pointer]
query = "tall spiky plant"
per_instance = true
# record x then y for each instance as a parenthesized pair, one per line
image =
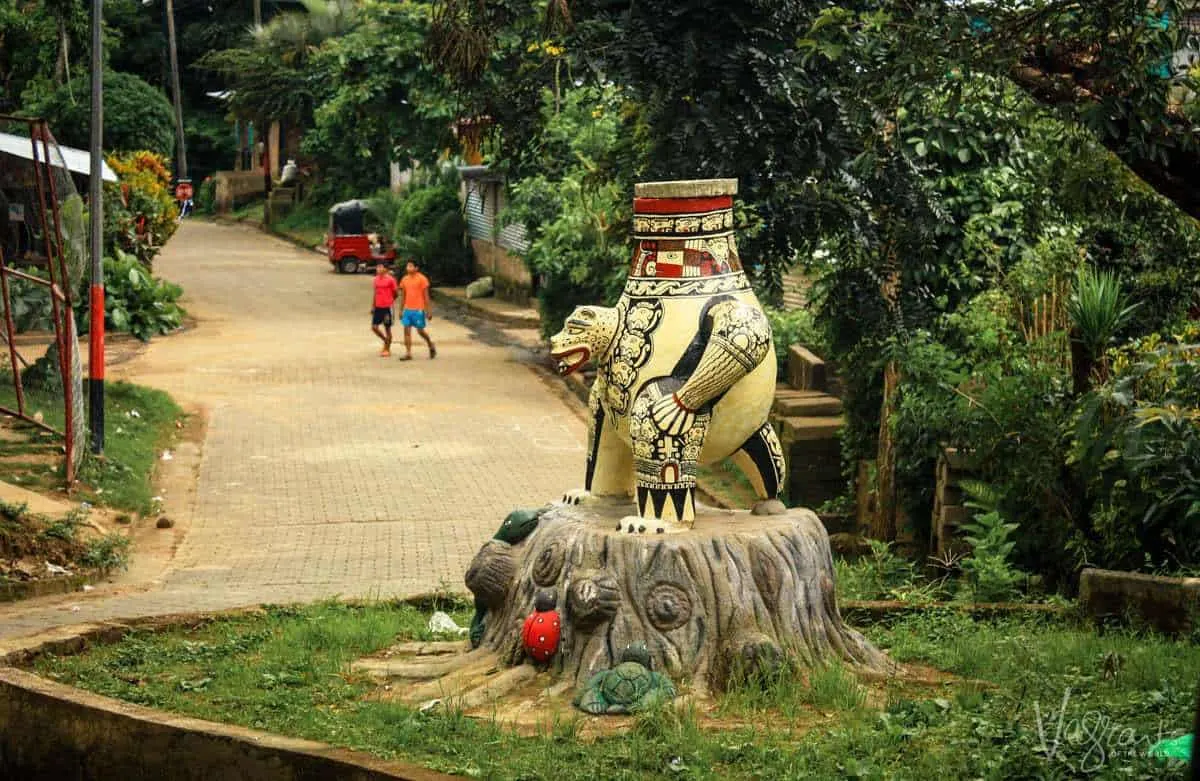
(1098, 309)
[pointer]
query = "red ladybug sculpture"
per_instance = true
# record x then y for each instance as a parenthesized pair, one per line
(542, 629)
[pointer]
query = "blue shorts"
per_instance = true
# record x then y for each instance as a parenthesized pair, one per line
(412, 318)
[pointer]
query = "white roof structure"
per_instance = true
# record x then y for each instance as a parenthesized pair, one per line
(77, 160)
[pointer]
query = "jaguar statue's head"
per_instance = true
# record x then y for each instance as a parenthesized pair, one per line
(586, 335)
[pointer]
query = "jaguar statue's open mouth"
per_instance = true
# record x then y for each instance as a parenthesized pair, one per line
(570, 360)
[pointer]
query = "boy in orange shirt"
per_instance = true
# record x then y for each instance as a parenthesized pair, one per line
(414, 305)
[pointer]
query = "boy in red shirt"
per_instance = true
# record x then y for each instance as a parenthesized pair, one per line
(414, 303)
(381, 311)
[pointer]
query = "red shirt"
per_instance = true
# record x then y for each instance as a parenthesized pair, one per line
(385, 291)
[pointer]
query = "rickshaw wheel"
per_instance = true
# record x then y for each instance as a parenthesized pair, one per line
(348, 265)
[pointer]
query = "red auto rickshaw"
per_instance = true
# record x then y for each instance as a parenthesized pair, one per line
(350, 243)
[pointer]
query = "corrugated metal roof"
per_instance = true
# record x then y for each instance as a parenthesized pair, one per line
(75, 160)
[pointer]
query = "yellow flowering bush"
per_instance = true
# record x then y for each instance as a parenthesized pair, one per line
(140, 213)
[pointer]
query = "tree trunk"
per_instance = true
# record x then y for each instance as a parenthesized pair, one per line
(739, 594)
(884, 526)
(62, 69)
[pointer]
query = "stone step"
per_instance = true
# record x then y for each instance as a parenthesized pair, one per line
(799, 428)
(806, 404)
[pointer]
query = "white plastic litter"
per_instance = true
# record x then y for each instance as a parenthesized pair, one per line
(54, 569)
(166, 456)
(440, 623)
(134, 413)
(86, 587)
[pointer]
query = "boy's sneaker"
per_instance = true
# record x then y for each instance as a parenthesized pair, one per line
(385, 353)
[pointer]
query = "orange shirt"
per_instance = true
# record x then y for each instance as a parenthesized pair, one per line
(415, 287)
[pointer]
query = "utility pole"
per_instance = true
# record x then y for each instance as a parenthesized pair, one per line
(96, 227)
(181, 157)
(258, 13)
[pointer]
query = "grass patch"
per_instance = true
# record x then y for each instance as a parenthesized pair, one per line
(139, 423)
(306, 224)
(725, 480)
(250, 212)
(28, 541)
(287, 670)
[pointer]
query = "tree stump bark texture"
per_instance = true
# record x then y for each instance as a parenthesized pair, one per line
(737, 593)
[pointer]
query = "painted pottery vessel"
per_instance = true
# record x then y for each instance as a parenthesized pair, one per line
(686, 369)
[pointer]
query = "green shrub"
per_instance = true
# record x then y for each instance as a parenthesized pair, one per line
(136, 302)
(577, 247)
(1098, 309)
(206, 196)
(1136, 448)
(107, 553)
(990, 576)
(430, 229)
(136, 115)
(1009, 411)
(31, 308)
(794, 326)
(576, 210)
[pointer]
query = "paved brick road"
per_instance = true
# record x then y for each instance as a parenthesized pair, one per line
(325, 470)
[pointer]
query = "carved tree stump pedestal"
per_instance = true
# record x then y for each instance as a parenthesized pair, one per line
(738, 592)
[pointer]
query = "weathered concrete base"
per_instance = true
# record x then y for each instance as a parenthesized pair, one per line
(1170, 605)
(13, 591)
(54, 732)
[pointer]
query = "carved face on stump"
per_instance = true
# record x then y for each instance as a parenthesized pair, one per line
(587, 333)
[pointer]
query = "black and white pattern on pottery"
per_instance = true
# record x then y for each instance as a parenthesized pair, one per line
(631, 350)
(646, 287)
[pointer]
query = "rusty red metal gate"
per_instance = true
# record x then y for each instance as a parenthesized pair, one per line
(44, 177)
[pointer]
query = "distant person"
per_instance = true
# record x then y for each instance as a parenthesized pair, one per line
(414, 306)
(381, 311)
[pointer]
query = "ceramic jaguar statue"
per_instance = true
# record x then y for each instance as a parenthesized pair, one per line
(685, 366)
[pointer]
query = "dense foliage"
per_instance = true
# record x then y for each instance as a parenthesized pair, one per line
(140, 213)
(136, 115)
(136, 302)
(353, 77)
(1136, 439)
(429, 229)
(576, 213)
(961, 222)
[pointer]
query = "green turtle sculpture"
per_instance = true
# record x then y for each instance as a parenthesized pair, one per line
(627, 688)
(518, 525)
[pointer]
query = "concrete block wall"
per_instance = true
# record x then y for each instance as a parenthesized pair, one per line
(949, 511)
(510, 275)
(807, 420)
(237, 187)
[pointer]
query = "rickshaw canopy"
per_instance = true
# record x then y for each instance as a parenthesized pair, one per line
(346, 218)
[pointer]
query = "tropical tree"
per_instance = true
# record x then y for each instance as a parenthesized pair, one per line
(269, 76)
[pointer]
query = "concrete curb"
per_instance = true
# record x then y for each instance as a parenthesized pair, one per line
(52, 731)
(18, 590)
(1170, 605)
(464, 306)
